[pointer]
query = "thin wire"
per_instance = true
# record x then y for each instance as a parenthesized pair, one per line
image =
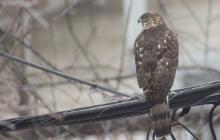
(153, 136)
(210, 121)
(58, 73)
(187, 129)
(172, 136)
(148, 134)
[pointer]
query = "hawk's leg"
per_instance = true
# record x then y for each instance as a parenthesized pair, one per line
(147, 94)
(154, 136)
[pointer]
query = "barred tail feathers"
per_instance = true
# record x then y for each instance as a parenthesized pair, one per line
(161, 119)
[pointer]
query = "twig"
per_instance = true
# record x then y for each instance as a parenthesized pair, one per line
(123, 49)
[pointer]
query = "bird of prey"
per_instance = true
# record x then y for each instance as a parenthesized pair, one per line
(156, 52)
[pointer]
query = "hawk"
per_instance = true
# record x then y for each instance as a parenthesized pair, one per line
(156, 52)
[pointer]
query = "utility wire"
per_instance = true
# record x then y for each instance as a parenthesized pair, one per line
(195, 96)
(58, 73)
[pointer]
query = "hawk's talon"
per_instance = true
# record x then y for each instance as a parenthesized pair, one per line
(146, 91)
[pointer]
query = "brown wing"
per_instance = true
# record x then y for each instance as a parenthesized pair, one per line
(146, 61)
(138, 51)
(167, 63)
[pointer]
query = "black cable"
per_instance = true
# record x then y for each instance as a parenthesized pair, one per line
(184, 112)
(210, 121)
(184, 127)
(153, 136)
(120, 109)
(172, 136)
(148, 134)
(58, 73)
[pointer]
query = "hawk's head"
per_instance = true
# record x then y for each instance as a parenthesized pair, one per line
(151, 20)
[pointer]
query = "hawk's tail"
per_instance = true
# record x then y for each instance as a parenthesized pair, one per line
(161, 119)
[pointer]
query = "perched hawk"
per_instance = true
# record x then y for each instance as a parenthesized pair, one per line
(156, 56)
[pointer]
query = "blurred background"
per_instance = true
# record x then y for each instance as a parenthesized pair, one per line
(93, 41)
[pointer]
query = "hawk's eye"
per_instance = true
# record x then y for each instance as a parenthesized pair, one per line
(147, 16)
(143, 17)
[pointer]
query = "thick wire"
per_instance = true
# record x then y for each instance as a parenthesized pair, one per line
(120, 109)
(57, 73)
